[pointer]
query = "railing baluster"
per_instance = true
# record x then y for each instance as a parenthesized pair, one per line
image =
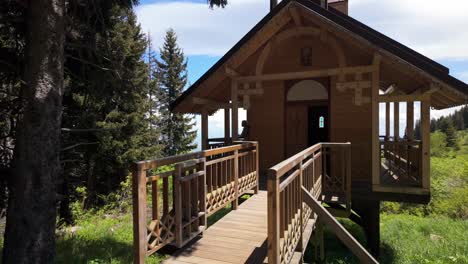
(165, 196)
(236, 180)
(178, 204)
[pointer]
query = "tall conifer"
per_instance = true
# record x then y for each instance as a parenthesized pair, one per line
(177, 129)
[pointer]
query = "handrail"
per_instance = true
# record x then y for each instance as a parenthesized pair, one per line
(203, 182)
(341, 232)
(289, 218)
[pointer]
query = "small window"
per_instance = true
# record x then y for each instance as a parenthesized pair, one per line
(321, 122)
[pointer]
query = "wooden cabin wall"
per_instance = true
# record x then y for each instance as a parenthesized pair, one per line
(351, 122)
(266, 119)
(348, 122)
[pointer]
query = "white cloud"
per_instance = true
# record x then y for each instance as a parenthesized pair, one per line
(201, 30)
(433, 27)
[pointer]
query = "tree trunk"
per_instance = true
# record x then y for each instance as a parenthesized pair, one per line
(31, 215)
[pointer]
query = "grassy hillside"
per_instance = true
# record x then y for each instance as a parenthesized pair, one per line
(434, 233)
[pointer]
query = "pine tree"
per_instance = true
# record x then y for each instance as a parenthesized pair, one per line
(417, 130)
(177, 129)
(451, 134)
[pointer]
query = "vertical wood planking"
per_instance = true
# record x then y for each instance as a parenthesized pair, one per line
(139, 215)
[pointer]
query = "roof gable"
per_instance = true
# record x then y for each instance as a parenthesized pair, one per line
(355, 27)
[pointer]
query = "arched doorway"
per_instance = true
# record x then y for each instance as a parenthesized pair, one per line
(306, 114)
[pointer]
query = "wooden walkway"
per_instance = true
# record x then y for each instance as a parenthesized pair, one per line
(239, 237)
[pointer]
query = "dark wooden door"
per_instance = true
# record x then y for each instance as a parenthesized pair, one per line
(318, 124)
(296, 128)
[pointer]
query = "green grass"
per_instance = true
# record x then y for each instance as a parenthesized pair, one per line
(100, 239)
(107, 238)
(405, 239)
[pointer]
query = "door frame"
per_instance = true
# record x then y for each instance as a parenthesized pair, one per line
(326, 82)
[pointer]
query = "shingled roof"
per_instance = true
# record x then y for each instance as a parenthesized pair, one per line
(376, 38)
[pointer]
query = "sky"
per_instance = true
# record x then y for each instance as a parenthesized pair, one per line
(432, 27)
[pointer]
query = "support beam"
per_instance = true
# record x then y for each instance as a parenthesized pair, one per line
(425, 141)
(396, 121)
(410, 120)
(375, 119)
(387, 120)
(400, 98)
(227, 126)
(235, 106)
(210, 103)
(256, 91)
(204, 128)
(307, 74)
(342, 86)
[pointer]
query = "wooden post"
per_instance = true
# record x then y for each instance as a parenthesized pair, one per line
(154, 199)
(387, 121)
(300, 244)
(235, 105)
(257, 168)
(396, 121)
(203, 187)
(375, 120)
(204, 129)
(348, 179)
(273, 218)
(425, 141)
(235, 203)
(178, 204)
(410, 121)
(227, 127)
(139, 215)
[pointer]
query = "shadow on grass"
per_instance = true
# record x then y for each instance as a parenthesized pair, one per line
(102, 250)
(337, 252)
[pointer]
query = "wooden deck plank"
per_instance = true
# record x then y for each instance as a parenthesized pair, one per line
(238, 237)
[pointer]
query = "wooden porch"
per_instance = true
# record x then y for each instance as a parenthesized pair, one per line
(272, 226)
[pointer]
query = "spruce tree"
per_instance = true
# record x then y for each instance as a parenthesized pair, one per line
(177, 129)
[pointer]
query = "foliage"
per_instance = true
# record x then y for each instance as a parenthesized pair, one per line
(405, 239)
(177, 129)
(449, 181)
(111, 97)
(99, 238)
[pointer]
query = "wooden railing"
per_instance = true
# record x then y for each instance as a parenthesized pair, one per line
(401, 163)
(184, 190)
(290, 219)
(358, 250)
